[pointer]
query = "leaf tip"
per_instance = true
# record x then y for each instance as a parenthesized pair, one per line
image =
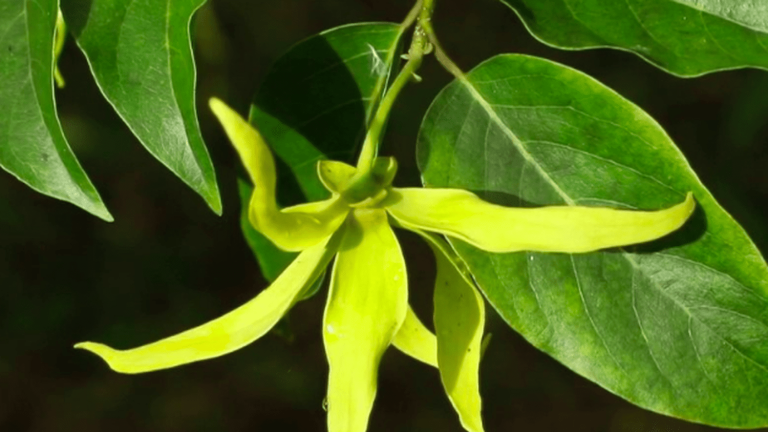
(98, 209)
(214, 201)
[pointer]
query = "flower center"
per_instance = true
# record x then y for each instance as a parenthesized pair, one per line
(359, 191)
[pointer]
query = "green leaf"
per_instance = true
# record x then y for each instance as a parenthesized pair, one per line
(315, 104)
(678, 326)
(32, 144)
(140, 54)
(683, 37)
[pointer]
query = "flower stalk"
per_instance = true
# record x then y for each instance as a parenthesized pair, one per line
(420, 46)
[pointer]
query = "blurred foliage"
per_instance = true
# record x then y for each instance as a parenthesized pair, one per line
(168, 263)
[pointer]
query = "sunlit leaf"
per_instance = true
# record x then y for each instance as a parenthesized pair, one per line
(679, 325)
(140, 54)
(32, 145)
(684, 37)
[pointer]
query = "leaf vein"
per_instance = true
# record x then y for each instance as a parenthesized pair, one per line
(591, 318)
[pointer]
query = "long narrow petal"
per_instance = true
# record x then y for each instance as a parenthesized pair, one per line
(299, 227)
(366, 306)
(252, 148)
(459, 322)
(573, 229)
(229, 332)
(416, 340)
(289, 230)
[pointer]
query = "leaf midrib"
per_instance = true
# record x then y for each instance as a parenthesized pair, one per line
(109, 94)
(487, 107)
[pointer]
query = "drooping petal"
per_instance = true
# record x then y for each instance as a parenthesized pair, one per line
(573, 229)
(291, 230)
(459, 321)
(416, 340)
(228, 332)
(366, 306)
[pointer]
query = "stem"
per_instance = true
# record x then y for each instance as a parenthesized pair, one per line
(381, 84)
(371, 143)
(425, 21)
(412, 14)
(424, 41)
(418, 48)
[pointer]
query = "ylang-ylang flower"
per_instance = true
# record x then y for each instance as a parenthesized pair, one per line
(367, 308)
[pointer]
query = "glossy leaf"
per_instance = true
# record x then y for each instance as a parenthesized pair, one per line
(315, 103)
(367, 304)
(32, 144)
(140, 54)
(678, 326)
(683, 37)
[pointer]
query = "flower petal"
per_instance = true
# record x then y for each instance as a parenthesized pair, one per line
(366, 306)
(459, 321)
(461, 214)
(335, 175)
(291, 230)
(339, 177)
(415, 340)
(229, 332)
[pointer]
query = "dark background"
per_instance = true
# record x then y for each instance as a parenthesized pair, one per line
(168, 263)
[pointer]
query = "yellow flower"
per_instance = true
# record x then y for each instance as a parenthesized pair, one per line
(367, 307)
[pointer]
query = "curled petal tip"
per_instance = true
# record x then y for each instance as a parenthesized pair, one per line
(690, 203)
(104, 352)
(100, 350)
(680, 213)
